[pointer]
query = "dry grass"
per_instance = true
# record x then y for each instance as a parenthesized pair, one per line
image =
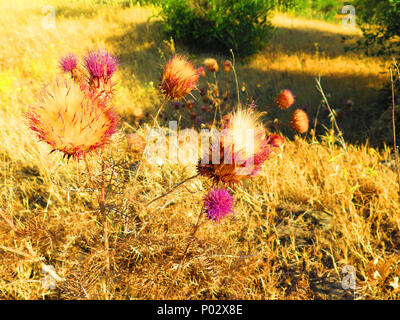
(312, 211)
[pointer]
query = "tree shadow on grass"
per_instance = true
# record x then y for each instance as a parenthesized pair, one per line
(140, 49)
(355, 122)
(70, 12)
(309, 41)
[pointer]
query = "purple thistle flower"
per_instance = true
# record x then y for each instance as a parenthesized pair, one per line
(101, 64)
(68, 63)
(218, 203)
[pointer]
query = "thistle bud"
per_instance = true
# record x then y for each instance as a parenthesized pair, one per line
(299, 121)
(227, 66)
(179, 78)
(285, 99)
(211, 64)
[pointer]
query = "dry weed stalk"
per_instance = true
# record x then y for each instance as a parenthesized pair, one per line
(236, 78)
(332, 115)
(396, 153)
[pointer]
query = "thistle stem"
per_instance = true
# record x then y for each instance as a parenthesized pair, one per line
(104, 217)
(103, 214)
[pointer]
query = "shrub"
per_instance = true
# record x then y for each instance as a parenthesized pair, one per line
(380, 22)
(218, 25)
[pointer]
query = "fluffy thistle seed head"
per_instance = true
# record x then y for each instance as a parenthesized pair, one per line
(217, 204)
(179, 78)
(211, 64)
(68, 63)
(72, 120)
(238, 159)
(285, 99)
(101, 64)
(299, 121)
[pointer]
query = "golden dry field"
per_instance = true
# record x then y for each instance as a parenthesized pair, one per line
(316, 209)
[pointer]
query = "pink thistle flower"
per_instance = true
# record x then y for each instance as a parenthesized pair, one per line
(68, 63)
(101, 64)
(217, 204)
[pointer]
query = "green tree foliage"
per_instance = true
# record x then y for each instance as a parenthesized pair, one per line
(218, 25)
(379, 21)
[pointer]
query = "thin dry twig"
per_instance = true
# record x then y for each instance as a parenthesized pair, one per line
(34, 257)
(9, 221)
(172, 189)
